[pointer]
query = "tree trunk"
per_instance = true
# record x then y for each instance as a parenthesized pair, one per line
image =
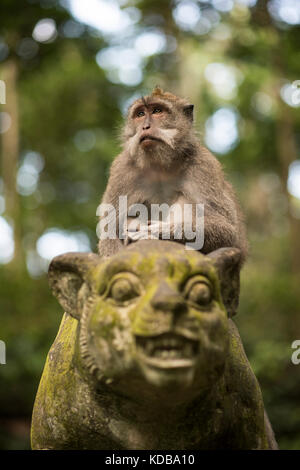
(287, 152)
(10, 156)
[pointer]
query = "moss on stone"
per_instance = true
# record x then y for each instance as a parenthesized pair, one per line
(99, 389)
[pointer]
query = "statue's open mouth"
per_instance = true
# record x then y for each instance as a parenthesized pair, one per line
(167, 350)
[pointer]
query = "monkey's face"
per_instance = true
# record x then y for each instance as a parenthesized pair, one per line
(154, 124)
(155, 128)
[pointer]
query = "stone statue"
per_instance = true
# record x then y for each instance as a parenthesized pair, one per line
(147, 355)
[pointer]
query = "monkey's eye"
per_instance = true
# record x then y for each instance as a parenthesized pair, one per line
(140, 114)
(198, 291)
(157, 111)
(124, 288)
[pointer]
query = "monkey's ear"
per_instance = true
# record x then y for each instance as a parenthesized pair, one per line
(228, 264)
(67, 274)
(189, 111)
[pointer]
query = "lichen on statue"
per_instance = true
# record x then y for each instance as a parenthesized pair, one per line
(147, 355)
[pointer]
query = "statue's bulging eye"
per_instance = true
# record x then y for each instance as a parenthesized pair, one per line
(198, 291)
(200, 294)
(123, 290)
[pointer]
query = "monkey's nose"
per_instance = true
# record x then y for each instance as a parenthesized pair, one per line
(146, 123)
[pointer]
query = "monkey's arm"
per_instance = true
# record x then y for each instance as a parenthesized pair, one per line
(209, 235)
(202, 228)
(110, 246)
(120, 184)
(218, 233)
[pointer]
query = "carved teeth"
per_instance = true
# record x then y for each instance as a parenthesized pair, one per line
(167, 346)
(148, 347)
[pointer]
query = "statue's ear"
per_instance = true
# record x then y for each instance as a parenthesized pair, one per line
(189, 111)
(67, 274)
(228, 264)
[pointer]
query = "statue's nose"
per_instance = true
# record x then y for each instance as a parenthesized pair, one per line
(167, 299)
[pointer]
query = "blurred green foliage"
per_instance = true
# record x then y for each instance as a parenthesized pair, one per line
(70, 111)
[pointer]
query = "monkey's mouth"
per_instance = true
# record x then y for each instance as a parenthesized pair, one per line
(149, 138)
(167, 350)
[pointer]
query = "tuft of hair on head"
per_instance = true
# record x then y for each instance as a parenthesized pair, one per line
(157, 90)
(182, 102)
(160, 93)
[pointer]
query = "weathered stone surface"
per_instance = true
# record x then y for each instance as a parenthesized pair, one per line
(147, 357)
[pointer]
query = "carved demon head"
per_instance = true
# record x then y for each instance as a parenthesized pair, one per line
(152, 318)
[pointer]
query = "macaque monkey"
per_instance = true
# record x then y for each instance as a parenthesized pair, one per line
(163, 162)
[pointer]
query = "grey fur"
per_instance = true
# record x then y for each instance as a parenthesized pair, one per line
(174, 169)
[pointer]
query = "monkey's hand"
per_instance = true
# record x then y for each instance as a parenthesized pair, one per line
(134, 234)
(153, 230)
(135, 231)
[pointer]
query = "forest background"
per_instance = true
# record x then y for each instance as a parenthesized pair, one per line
(68, 70)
